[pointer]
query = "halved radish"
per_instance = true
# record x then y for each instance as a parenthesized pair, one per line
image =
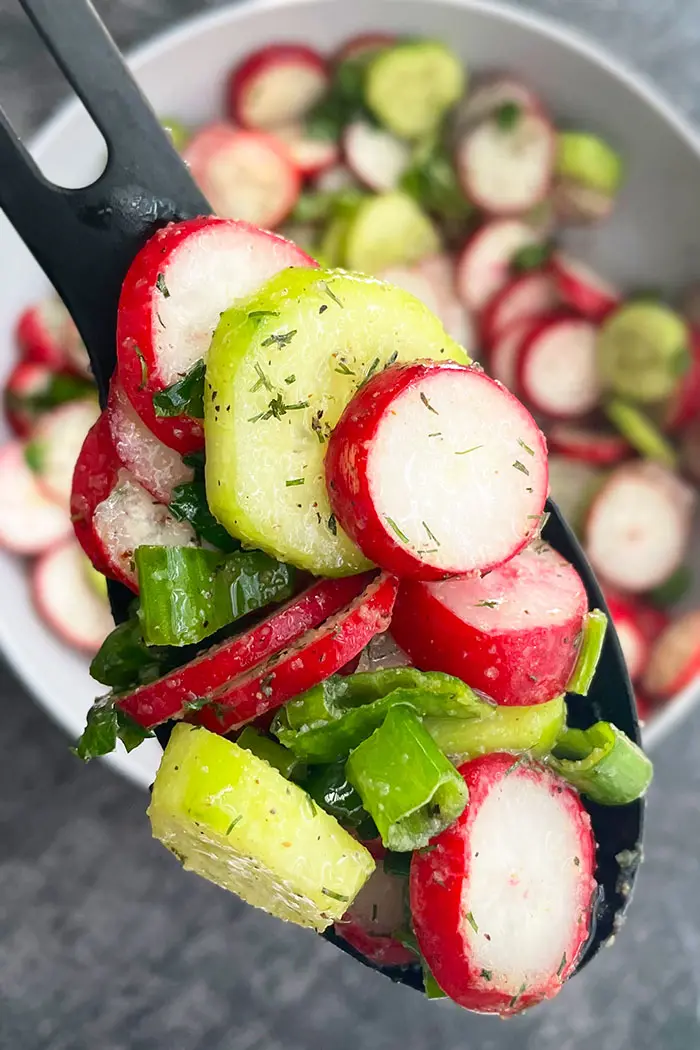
(310, 660)
(155, 466)
(581, 288)
(501, 902)
(58, 439)
(505, 352)
(675, 657)
(276, 85)
(575, 204)
(246, 175)
(530, 295)
(29, 521)
(484, 265)
(27, 381)
(416, 452)
(513, 634)
(375, 156)
(483, 100)
(156, 702)
(378, 911)
(171, 300)
(637, 529)
(601, 448)
(630, 634)
(310, 156)
(507, 170)
(66, 600)
(557, 371)
(41, 333)
(363, 45)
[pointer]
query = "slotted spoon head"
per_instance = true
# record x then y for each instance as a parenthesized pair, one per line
(85, 239)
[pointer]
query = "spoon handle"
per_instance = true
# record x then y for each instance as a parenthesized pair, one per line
(84, 239)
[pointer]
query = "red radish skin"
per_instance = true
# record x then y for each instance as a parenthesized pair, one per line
(484, 267)
(94, 477)
(58, 437)
(375, 156)
(637, 529)
(581, 288)
(503, 359)
(524, 298)
(684, 406)
(276, 85)
(155, 466)
(29, 522)
(557, 369)
(26, 380)
(151, 704)
(364, 44)
(40, 334)
(246, 175)
(310, 660)
(67, 602)
(690, 450)
(632, 638)
(501, 902)
(600, 448)
(204, 264)
(513, 634)
(675, 658)
(376, 913)
(411, 441)
(507, 172)
(311, 157)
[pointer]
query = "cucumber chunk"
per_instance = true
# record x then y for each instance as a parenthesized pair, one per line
(643, 351)
(232, 818)
(409, 88)
(588, 160)
(389, 230)
(280, 371)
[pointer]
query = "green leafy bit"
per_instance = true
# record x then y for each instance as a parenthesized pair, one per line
(280, 339)
(530, 257)
(104, 726)
(508, 116)
(189, 503)
(472, 922)
(257, 315)
(327, 290)
(335, 896)
(333, 525)
(185, 397)
(292, 482)
(144, 367)
(395, 528)
(372, 369)
(262, 380)
(196, 704)
(427, 404)
(466, 451)
(521, 467)
(562, 965)
(431, 535)
(162, 286)
(125, 661)
(343, 369)
(34, 453)
(432, 181)
(486, 603)
(487, 975)
(290, 379)
(518, 995)
(236, 820)
(61, 388)
(527, 448)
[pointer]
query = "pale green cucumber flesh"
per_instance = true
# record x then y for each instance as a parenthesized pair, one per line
(642, 351)
(409, 88)
(234, 819)
(587, 159)
(389, 230)
(280, 371)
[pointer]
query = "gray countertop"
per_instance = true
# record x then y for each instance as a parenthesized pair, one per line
(105, 943)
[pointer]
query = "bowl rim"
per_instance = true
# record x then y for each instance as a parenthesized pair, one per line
(572, 39)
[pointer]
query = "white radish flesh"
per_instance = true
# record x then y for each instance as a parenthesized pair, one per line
(484, 266)
(30, 522)
(637, 529)
(58, 438)
(507, 171)
(375, 156)
(582, 288)
(67, 601)
(486, 98)
(506, 351)
(277, 85)
(532, 295)
(310, 156)
(558, 371)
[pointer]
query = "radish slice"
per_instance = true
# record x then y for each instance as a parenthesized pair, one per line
(376, 913)
(513, 634)
(632, 638)
(432, 281)
(310, 156)
(156, 702)
(171, 300)
(27, 380)
(363, 45)
(310, 660)
(637, 529)
(486, 98)
(277, 85)
(675, 657)
(375, 156)
(58, 438)
(41, 333)
(155, 466)
(505, 354)
(575, 204)
(412, 279)
(525, 297)
(691, 450)
(129, 518)
(581, 288)
(507, 171)
(413, 455)
(29, 521)
(246, 175)
(572, 485)
(601, 448)
(94, 477)
(557, 370)
(684, 405)
(484, 265)
(67, 602)
(501, 902)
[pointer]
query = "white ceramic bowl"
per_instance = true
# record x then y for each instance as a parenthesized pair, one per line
(652, 241)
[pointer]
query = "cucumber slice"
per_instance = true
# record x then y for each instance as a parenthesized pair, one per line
(643, 351)
(589, 161)
(232, 818)
(642, 434)
(409, 88)
(280, 371)
(389, 230)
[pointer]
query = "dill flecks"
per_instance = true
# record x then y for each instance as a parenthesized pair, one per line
(392, 525)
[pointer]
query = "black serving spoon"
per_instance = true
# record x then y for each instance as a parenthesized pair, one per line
(84, 240)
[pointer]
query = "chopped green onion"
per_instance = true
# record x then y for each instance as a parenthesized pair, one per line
(329, 787)
(188, 593)
(430, 986)
(410, 789)
(184, 397)
(533, 728)
(641, 433)
(279, 757)
(178, 132)
(189, 503)
(594, 627)
(674, 588)
(432, 181)
(329, 720)
(531, 257)
(603, 764)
